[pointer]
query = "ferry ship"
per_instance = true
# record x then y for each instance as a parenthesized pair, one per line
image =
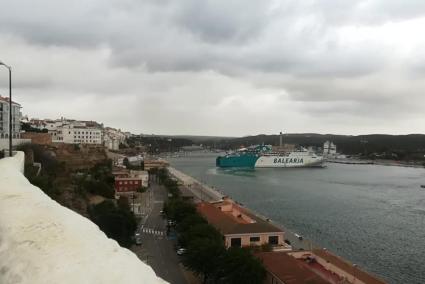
(262, 156)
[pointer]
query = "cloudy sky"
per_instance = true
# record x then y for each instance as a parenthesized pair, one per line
(231, 67)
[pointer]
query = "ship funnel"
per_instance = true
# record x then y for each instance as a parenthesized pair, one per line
(280, 140)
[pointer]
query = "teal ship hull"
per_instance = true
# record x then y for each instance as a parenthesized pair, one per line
(243, 161)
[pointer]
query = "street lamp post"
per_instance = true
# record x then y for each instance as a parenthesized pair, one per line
(10, 106)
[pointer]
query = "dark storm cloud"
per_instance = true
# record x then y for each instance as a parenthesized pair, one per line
(215, 21)
(197, 35)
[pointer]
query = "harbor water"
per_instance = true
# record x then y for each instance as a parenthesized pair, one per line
(372, 215)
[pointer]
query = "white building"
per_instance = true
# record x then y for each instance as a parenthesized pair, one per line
(142, 175)
(79, 135)
(74, 132)
(329, 149)
(112, 138)
(4, 118)
(80, 132)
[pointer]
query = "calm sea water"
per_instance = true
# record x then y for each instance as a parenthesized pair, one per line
(372, 215)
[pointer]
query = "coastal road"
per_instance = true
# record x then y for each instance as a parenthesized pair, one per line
(156, 250)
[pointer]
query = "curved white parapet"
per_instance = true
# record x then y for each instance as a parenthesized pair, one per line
(44, 242)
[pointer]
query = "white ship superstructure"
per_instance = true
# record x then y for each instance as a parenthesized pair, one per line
(294, 159)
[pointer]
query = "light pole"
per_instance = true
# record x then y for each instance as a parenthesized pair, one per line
(10, 106)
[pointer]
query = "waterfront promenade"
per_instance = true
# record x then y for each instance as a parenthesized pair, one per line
(199, 190)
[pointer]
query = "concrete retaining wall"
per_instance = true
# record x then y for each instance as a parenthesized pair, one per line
(44, 242)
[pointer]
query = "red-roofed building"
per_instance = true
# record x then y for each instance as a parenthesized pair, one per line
(283, 268)
(239, 226)
(317, 266)
(127, 181)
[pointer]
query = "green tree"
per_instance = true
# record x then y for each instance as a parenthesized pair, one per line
(162, 175)
(200, 231)
(125, 162)
(204, 257)
(98, 187)
(240, 266)
(177, 209)
(117, 223)
(123, 203)
(189, 221)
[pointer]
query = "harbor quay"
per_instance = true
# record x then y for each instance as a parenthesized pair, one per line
(289, 258)
(201, 191)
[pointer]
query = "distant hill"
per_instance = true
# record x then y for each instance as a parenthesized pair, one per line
(194, 138)
(201, 139)
(410, 146)
(403, 147)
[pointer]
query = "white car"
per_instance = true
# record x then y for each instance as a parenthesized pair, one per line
(181, 251)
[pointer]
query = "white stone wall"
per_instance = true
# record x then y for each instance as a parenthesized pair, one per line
(43, 242)
(4, 143)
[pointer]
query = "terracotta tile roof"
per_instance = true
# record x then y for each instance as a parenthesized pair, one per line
(288, 269)
(228, 225)
(346, 266)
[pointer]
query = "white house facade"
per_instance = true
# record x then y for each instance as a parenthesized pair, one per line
(4, 118)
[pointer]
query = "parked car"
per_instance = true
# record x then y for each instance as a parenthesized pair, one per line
(181, 251)
(138, 241)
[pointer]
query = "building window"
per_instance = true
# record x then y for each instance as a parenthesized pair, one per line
(273, 240)
(235, 242)
(254, 239)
